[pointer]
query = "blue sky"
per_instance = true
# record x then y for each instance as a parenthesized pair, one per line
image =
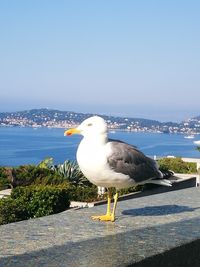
(130, 58)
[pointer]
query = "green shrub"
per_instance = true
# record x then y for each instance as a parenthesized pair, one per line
(45, 173)
(86, 194)
(72, 172)
(12, 210)
(177, 165)
(33, 201)
(89, 194)
(42, 200)
(50, 179)
(36, 175)
(125, 191)
(4, 182)
(28, 174)
(69, 170)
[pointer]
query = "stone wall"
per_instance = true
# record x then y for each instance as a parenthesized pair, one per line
(156, 230)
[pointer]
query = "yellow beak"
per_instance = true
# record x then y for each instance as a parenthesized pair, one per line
(72, 131)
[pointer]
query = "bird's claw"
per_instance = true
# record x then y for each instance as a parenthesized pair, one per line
(104, 218)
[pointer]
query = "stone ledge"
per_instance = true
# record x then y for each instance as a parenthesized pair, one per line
(156, 229)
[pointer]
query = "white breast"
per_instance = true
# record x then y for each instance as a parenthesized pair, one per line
(92, 160)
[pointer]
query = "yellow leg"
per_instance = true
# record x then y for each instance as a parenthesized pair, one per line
(108, 216)
(109, 202)
(114, 207)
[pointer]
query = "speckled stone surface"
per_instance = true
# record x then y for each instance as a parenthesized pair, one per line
(144, 227)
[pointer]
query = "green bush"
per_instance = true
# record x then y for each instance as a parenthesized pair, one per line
(72, 172)
(33, 201)
(127, 190)
(29, 174)
(42, 200)
(89, 194)
(68, 170)
(4, 182)
(45, 173)
(12, 210)
(177, 165)
(86, 194)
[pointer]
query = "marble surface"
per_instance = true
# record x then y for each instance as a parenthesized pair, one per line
(144, 227)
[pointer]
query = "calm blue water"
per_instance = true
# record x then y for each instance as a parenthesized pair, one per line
(30, 146)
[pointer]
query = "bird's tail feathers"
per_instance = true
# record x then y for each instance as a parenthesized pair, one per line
(164, 182)
(162, 178)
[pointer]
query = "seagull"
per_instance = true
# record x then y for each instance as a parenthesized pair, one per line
(112, 163)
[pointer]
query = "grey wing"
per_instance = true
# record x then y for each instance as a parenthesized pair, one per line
(129, 160)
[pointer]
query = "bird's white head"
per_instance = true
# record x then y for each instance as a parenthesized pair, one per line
(92, 126)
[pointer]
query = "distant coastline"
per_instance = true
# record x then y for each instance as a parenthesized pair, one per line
(50, 118)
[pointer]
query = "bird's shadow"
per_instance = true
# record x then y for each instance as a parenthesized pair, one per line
(158, 210)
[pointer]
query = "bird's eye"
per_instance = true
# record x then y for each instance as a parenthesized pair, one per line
(89, 124)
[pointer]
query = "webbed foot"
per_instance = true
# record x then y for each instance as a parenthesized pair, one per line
(105, 218)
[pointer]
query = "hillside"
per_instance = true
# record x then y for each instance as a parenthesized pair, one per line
(56, 118)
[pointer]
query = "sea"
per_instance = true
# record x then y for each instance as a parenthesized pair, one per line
(26, 145)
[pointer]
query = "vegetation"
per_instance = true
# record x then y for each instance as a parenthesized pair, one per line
(69, 170)
(12, 210)
(47, 188)
(27, 175)
(42, 190)
(4, 182)
(42, 200)
(33, 201)
(177, 165)
(85, 194)
(80, 189)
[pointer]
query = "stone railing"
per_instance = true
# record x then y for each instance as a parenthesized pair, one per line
(157, 230)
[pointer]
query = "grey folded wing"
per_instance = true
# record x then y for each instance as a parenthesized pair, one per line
(129, 160)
